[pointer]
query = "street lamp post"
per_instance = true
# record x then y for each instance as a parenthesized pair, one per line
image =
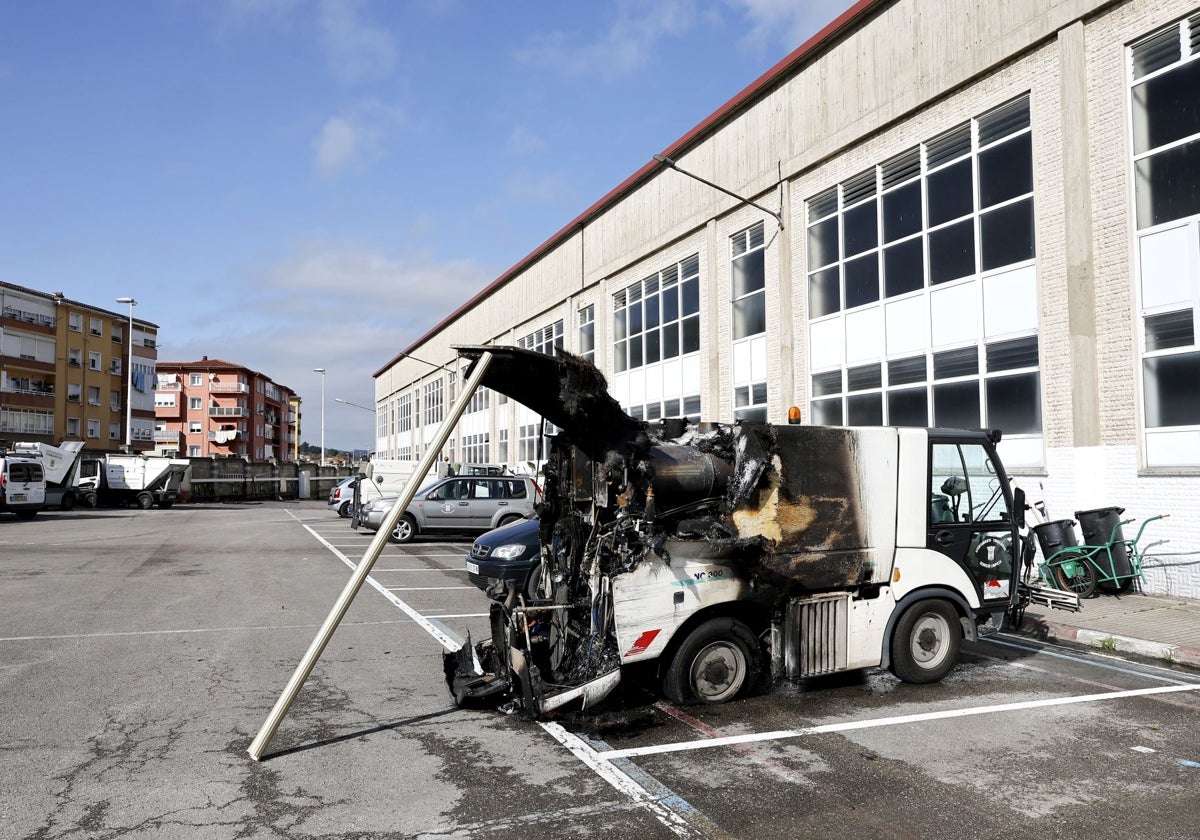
(129, 378)
(322, 372)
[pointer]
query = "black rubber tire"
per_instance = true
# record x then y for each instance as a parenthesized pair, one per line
(343, 510)
(508, 520)
(26, 514)
(1083, 579)
(145, 500)
(405, 529)
(89, 499)
(926, 641)
(717, 662)
(68, 501)
(532, 582)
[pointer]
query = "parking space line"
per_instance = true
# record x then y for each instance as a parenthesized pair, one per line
(459, 615)
(422, 588)
(441, 635)
(619, 778)
(876, 723)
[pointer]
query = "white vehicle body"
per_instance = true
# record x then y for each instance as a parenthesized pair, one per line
(132, 479)
(22, 485)
(61, 467)
(735, 555)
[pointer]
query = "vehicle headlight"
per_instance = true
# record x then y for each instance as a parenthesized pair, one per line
(508, 552)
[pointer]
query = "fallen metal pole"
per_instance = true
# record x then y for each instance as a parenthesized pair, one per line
(428, 461)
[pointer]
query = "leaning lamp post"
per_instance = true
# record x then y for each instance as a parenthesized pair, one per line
(129, 378)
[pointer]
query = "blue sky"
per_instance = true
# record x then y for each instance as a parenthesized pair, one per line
(291, 184)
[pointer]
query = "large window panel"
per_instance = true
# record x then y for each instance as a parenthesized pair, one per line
(904, 267)
(1014, 404)
(1007, 235)
(748, 273)
(823, 243)
(824, 292)
(1166, 108)
(908, 407)
(902, 212)
(956, 405)
(1168, 185)
(864, 410)
(860, 229)
(1006, 171)
(948, 192)
(749, 316)
(952, 252)
(862, 280)
(1172, 385)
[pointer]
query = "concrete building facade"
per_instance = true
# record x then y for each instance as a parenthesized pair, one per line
(214, 408)
(957, 214)
(64, 372)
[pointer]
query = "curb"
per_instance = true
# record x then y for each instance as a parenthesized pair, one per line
(1178, 654)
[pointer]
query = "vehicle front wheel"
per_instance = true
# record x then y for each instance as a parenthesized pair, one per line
(715, 663)
(145, 500)
(405, 529)
(68, 501)
(926, 642)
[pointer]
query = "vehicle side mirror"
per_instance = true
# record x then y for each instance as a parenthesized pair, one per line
(1019, 507)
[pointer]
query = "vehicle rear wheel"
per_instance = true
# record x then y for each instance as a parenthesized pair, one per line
(508, 520)
(89, 499)
(405, 529)
(145, 500)
(68, 501)
(343, 510)
(926, 641)
(716, 662)
(1074, 573)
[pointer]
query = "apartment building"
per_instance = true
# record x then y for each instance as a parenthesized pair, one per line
(954, 214)
(67, 369)
(213, 408)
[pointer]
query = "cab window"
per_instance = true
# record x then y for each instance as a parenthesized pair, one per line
(964, 486)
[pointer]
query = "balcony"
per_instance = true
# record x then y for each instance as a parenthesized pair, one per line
(27, 390)
(169, 386)
(29, 317)
(166, 436)
(227, 411)
(228, 388)
(224, 436)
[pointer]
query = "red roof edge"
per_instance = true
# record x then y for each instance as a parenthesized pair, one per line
(740, 100)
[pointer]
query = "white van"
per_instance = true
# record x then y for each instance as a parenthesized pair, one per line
(22, 485)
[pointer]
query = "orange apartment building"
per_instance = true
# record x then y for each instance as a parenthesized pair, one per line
(64, 372)
(213, 408)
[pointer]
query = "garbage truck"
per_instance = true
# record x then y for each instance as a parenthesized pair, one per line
(140, 480)
(721, 559)
(60, 465)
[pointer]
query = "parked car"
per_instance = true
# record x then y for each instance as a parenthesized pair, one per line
(341, 497)
(458, 504)
(508, 553)
(22, 485)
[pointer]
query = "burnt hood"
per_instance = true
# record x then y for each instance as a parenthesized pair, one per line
(568, 391)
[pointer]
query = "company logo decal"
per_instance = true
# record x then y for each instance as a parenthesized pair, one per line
(643, 642)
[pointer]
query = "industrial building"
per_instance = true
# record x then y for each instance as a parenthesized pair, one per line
(950, 214)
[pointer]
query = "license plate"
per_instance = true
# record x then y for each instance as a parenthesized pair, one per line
(473, 568)
(19, 497)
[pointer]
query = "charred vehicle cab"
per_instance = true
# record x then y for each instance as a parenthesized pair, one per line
(732, 556)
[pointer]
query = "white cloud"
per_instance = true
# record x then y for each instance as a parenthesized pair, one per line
(785, 23)
(343, 306)
(355, 139)
(354, 48)
(624, 48)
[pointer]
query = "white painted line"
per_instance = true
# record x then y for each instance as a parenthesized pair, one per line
(601, 765)
(423, 588)
(875, 723)
(377, 571)
(443, 639)
(460, 615)
(235, 629)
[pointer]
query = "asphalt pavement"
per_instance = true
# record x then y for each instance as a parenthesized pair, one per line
(1156, 626)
